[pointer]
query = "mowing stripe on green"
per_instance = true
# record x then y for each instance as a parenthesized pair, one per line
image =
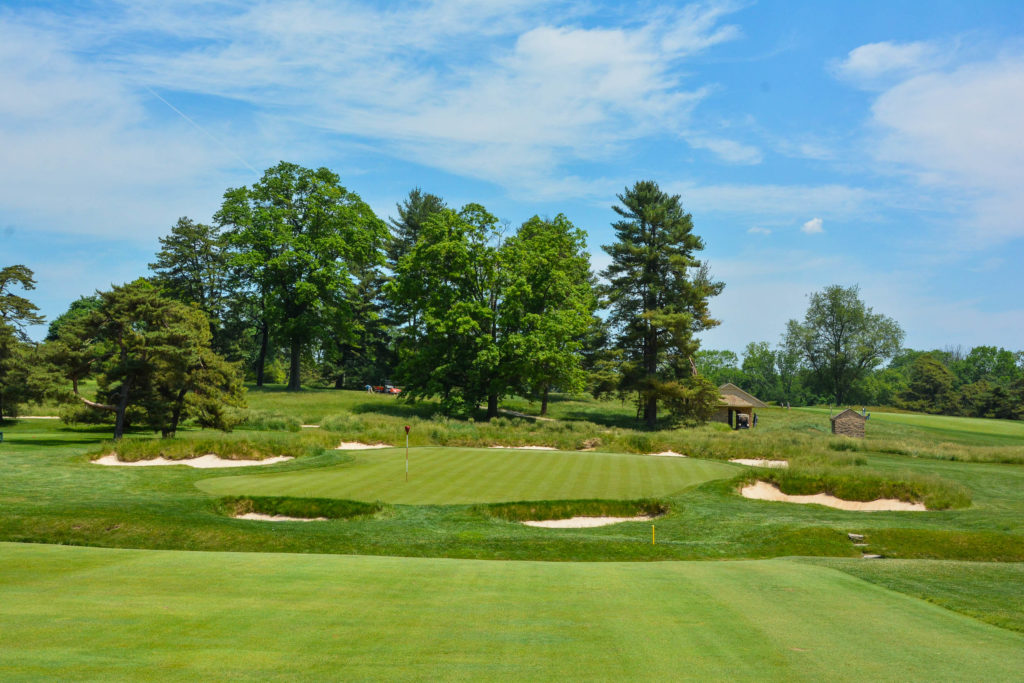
(93, 613)
(445, 476)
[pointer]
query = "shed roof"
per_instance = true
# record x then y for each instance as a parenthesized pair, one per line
(734, 397)
(849, 411)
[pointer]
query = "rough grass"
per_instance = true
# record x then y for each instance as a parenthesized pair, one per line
(865, 484)
(994, 595)
(522, 511)
(308, 508)
(251, 446)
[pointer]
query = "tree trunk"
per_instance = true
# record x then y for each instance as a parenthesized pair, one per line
(544, 402)
(261, 359)
(122, 408)
(179, 405)
(651, 411)
(294, 379)
(492, 406)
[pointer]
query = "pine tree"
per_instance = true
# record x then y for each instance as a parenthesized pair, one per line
(659, 294)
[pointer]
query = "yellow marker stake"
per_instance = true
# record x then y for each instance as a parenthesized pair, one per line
(652, 534)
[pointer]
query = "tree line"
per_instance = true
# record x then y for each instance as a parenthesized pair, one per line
(836, 356)
(296, 279)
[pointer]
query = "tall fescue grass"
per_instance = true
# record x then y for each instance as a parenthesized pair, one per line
(539, 510)
(862, 484)
(253, 446)
(305, 508)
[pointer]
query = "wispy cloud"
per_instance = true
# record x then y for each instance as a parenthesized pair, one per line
(514, 93)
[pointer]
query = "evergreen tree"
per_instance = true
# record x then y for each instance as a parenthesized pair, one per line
(659, 291)
(16, 313)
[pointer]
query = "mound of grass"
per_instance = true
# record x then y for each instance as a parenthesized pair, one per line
(267, 421)
(308, 508)
(865, 485)
(980, 546)
(229, 447)
(538, 510)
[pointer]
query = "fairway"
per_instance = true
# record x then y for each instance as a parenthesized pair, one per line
(969, 429)
(445, 476)
(192, 615)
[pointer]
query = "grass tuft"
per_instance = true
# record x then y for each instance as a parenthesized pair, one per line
(539, 510)
(307, 508)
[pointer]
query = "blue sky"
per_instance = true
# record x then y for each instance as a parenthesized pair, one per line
(815, 143)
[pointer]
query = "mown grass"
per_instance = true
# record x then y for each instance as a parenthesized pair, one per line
(449, 476)
(994, 595)
(220, 616)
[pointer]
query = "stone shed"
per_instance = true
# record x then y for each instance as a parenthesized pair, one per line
(849, 423)
(735, 402)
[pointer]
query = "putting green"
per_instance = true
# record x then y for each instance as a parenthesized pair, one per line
(447, 476)
(227, 616)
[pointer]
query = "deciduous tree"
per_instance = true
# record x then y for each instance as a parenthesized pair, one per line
(841, 339)
(298, 233)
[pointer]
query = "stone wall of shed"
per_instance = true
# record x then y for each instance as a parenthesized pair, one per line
(848, 426)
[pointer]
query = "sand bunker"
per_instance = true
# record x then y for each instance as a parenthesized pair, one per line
(207, 461)
(765, 491)
(357, 446)
(259, 517)
(527, 448)
(586, 522)
(668, 454)
(759, 462)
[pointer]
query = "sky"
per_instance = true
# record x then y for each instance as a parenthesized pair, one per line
(875, 144)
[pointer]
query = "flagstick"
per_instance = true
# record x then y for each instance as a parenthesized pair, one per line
(407, 453)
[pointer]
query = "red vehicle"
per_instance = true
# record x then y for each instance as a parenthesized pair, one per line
(386, 388)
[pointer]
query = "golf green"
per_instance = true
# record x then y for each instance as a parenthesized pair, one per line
(91, 613)
(447, 476)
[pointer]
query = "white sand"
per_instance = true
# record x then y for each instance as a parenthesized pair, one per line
(668, 454)
(259, 517)
(207, 461)
(527, 448)
(586, 522)
(357, 446)
(33, 417)
(760, 462)
(765, 491)
(310, 426)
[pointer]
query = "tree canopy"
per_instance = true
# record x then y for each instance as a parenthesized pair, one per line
(841, 339)
(298, 236)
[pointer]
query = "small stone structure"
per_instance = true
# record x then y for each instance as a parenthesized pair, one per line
(849, 423)
(735, 402)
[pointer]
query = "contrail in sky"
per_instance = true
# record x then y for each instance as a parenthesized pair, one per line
(202, 130)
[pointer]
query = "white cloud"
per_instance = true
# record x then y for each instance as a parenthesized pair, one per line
(728, 150)
(961, 132)
(813, 227)
(868, 63)
(778, 204)
(756, 230)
